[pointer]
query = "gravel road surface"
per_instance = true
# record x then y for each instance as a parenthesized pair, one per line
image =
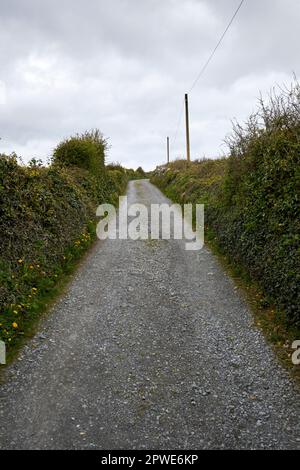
(151, 347)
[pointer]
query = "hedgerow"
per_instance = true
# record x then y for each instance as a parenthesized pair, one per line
(252, 197)
(47, 220)
(84, 151)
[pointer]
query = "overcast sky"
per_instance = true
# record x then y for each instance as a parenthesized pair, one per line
(123, 66)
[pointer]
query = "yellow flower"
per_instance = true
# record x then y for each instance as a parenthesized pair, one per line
(31, 267)
(34, 289)
(20, 261)
(15, 325)
(15, 312)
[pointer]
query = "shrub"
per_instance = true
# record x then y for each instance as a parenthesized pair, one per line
(261, 194)
(85, 151)
(139, 173)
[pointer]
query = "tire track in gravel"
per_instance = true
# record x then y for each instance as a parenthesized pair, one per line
(150, 348)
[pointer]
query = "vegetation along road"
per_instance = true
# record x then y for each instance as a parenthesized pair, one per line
(151, 347)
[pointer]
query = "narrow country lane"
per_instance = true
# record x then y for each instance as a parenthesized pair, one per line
(151, 348)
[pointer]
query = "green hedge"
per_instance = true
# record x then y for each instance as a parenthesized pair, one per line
(252, 198)
(85, 151)
(47, 220)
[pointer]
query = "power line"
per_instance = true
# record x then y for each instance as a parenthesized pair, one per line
(205, 67)
(217, 46)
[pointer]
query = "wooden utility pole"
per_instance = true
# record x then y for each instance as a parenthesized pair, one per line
(187, 124)
(168, 149)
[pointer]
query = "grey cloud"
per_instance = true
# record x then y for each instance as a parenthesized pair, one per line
(124, 65)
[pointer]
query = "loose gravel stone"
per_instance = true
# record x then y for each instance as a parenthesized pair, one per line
(151, 348)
